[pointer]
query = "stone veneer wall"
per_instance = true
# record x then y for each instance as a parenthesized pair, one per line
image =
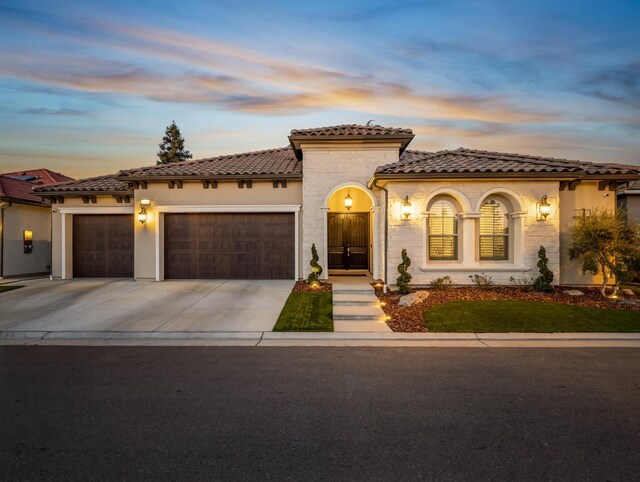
(411, 234)
(327, 167)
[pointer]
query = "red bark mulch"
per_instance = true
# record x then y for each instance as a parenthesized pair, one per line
(411, 318)
(302, 286)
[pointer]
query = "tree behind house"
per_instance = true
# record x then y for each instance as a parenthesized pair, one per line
(172, 146)
(606, 243)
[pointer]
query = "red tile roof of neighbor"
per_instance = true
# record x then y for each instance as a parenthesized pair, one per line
(40, 177)
(473, 162)
(14, 190)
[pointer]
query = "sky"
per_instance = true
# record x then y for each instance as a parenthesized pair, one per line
(88, 88)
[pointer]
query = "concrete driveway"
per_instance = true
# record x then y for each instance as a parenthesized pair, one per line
(125, 305)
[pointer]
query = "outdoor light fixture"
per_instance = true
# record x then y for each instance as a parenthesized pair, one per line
(543, 208)
(406, 208)
(27, 240)
(142, 215)
(348, 201)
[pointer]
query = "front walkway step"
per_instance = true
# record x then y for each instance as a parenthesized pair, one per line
(342, 312)
(355, 299)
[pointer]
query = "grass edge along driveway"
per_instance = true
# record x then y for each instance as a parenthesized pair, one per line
(306, 312)
(9, 288)
(504, 316)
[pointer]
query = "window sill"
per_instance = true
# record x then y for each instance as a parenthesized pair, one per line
(494, 268)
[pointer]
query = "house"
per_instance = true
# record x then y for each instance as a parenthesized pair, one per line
(356, 192)
(629, 201)
(25, 223)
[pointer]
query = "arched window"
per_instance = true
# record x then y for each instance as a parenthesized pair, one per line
(494, 231)
(443, 231)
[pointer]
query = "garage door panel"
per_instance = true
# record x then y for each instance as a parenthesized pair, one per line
(103, 245)
(230, 245)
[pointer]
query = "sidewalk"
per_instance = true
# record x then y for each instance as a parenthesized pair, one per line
(257, 338)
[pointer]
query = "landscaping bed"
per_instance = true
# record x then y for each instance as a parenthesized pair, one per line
(411, 318)
(304, 287)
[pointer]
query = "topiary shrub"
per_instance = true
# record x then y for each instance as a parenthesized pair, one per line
(543, 281)
(316, 269)
(405, 277)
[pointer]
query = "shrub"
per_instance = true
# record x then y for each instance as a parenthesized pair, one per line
(404, 277)
(524, 282)
(441, 284)
(481, 281)
(316, 269)
(543, 281)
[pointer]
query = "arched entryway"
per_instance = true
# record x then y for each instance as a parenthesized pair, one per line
(350, 229)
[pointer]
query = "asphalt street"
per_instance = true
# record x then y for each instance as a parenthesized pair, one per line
(256, 413)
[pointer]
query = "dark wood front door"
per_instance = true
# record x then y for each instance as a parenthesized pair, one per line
(103, 246)
(348, 240)
(229, 246)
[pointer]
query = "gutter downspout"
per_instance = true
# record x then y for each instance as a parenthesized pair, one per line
(386, 230)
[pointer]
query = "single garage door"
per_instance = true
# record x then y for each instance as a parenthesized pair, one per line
(103, 246)
(229, 246)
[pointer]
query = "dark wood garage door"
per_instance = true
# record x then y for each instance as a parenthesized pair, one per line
(103, 246)
(229, 246)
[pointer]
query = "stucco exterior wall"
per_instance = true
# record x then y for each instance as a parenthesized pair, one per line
(327, 168)
(17, 218)
(526, 233)
(149, 241)
(585, 196)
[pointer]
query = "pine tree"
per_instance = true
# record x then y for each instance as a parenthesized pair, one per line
(543, 282)
(172, 146)
(405, 277)
(316, 269)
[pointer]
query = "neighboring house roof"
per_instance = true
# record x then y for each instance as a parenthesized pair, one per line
(94, 185)
(14, 190)
(350, 132)
(632, 189)
(40, 177)
(473, 163)
(279, 162)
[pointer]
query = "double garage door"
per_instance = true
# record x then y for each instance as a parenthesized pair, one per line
(229, 246)
(196, 246)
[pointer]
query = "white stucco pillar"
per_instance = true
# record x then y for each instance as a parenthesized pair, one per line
(325, 244)
(519, 218)
(469, 238)
(376, 242)
(63, 246)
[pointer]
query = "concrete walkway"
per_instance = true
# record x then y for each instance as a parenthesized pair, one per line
(356, 308)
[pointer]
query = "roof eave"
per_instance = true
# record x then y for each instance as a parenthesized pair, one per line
(296, 140)
(85, 193)
(230, 177)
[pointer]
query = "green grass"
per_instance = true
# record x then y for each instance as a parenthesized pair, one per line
(527, 316)
(306, 312)
(9, 288)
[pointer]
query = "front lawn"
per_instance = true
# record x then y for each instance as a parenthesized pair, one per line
(306, 312)
(9, 288)
(499, 316)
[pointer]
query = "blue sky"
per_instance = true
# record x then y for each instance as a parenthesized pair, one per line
(88, 88)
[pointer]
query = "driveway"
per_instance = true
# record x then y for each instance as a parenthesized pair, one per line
(126, 305)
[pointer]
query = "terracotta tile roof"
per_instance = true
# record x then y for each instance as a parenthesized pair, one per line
(347, 130)
(40, 177)
(271, 162)
(469, 161)
(19, 191)
(100, 184)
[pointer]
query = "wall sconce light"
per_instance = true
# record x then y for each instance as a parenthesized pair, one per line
(406, 208)
(142, 215)
(27, 241)
(543, 209)
(348, 201)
